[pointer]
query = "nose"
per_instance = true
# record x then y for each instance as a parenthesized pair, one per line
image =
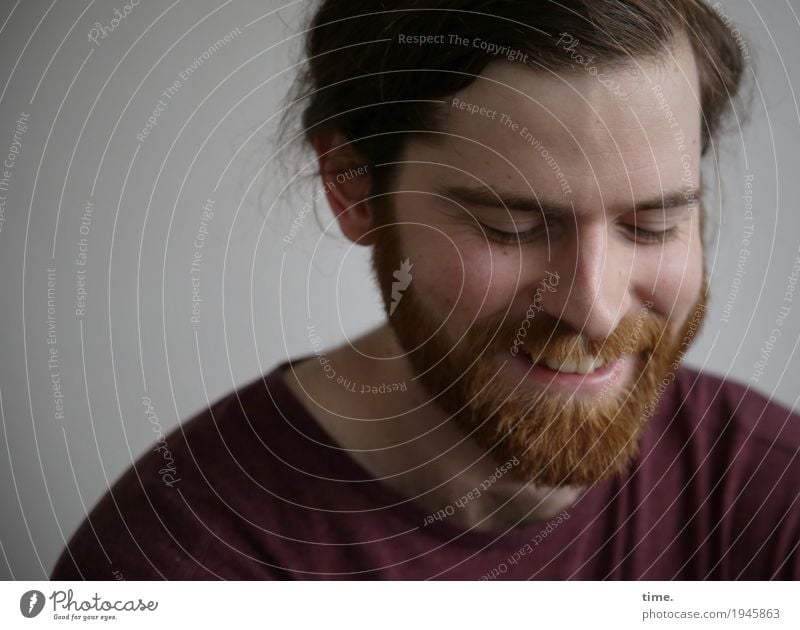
(592, 295)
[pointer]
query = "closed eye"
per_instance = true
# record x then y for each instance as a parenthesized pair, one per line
(514, 237)
(640, 234)
(651, 236)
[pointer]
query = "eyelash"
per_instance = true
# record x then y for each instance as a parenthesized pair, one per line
(658, 236)
(512, 238)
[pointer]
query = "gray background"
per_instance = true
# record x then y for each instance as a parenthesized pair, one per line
(215, 139)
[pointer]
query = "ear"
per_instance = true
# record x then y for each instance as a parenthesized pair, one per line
(346, 181)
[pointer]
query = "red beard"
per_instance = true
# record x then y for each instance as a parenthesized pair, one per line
(557, 440)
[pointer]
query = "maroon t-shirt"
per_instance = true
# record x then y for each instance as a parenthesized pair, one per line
(259, 491)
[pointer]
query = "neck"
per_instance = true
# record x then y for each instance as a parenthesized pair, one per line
(376, 409)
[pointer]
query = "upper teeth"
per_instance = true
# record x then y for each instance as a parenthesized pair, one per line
(584, 366)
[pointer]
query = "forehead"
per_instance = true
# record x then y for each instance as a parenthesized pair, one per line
(631, 131)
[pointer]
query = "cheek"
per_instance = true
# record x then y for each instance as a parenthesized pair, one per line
(439, 277)
(677, 282)
(467, 276)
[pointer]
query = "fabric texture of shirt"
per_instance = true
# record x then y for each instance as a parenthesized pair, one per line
(262, 492)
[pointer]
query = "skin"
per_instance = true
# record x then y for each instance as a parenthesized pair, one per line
(614, 155)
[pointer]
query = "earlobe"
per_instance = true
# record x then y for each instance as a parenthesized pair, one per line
(346, 180)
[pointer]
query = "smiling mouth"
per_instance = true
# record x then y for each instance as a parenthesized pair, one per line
(589, 374)
(586, 365)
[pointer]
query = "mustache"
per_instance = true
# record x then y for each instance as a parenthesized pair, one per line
(544, 337)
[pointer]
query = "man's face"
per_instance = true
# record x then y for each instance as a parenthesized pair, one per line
(511, 310)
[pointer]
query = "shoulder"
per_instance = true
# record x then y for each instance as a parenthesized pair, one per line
(740, 470)
(736, 412)
(165, 516)
(728, 458)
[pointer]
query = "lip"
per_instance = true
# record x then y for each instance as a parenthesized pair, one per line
(595, 381)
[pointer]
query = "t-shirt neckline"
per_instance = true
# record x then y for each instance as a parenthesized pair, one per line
(347, 467)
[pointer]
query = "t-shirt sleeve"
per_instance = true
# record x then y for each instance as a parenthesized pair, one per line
(138, 531)
(190, 525)
(763, 467)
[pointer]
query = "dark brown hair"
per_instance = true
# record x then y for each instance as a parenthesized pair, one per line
(361, 80)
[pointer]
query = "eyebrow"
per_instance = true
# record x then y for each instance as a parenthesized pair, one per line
(487, 197)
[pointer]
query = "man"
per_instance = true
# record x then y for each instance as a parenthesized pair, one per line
(528, 176)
